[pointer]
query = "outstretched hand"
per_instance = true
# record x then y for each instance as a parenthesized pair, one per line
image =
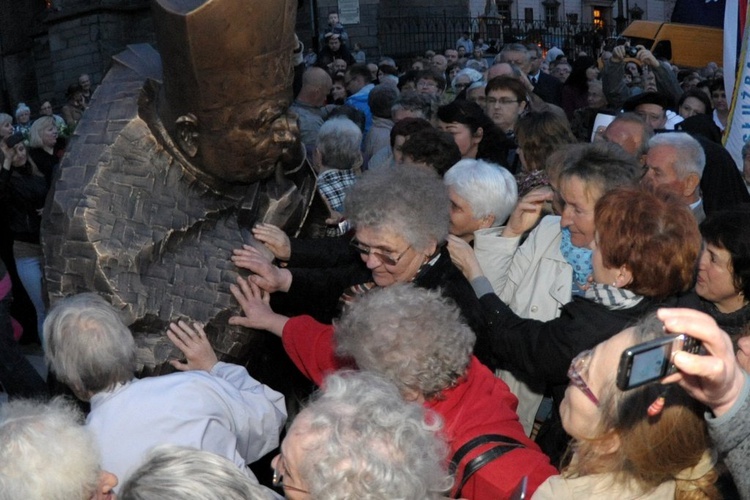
(194, 344)
(464, 258)
(255, 306)
(715, 378)
(274, 239)
(267, 276)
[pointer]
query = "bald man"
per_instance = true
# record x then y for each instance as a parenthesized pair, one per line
(310, 105)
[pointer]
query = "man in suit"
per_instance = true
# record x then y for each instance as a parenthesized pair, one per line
(547, 87)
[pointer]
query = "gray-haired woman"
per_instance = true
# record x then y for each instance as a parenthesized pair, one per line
(401, 219)
(360, 439)
(417, 339)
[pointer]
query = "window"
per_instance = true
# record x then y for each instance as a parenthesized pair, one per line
(551, 11)
(598, 18)
(528, 15)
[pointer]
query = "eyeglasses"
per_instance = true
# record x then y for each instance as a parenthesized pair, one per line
(278, 478)
(491, 101)
(426, 85)
(385, 259)
(579, 364)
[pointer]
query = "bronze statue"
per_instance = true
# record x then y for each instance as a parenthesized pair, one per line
(177, 156)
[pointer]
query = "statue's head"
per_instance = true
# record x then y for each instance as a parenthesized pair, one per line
(228, 83)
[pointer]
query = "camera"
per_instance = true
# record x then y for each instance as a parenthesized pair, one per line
(631, 51)
(652, 360)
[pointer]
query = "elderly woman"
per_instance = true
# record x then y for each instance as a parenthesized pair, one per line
(45, 452)
(644, 255)
(212, 406)
(190, 474)
(724, 271)
(416, 339)
(623, 447)
(359, 439)
(23, 119)
(482, 195)
(23, 190)
(337, 158)
(43, 146)
(464, 79)
(553, 264)
(400, 219)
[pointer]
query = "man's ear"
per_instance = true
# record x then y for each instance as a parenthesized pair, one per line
(691, 183)
(187, 134)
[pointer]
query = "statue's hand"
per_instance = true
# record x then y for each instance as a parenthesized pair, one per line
(267, 276)
(194, 344)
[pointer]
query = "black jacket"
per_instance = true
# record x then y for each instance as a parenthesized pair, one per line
(316, 291)
(23, 194)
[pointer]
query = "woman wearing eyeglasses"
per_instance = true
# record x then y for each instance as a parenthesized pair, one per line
(647, 442)
(645, 251)
(401, 220)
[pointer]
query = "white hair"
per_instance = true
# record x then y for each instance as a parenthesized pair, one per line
(689, 157)
(190, 474)
(488, 188)
(45, 452)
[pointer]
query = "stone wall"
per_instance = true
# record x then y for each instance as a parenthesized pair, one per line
(83, 36)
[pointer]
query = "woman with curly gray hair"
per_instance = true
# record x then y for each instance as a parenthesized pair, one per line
(360, 439)
(46, 452)
(417, 340)
(401, 220)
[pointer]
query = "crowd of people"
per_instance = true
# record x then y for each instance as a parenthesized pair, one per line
(500, 230)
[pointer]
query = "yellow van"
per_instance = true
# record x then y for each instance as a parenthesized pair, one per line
(685, 45)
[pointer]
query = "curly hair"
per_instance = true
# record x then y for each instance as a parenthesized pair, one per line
(653, 449)
(45, 452)
(412, 336)
(656, 239)
(411, 202)
(362, 440)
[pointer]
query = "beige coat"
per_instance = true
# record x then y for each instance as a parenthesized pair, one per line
(534, 279)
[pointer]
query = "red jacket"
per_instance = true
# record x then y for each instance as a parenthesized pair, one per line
(479, 404)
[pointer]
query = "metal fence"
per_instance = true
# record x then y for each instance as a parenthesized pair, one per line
(407, 36)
